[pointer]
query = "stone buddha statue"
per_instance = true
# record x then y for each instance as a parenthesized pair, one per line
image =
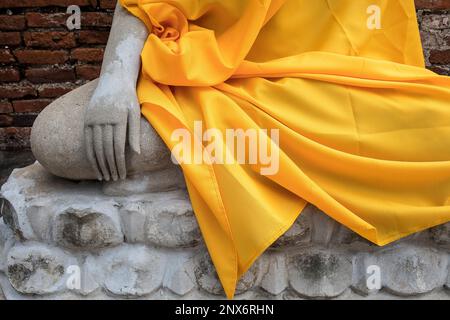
(136, 236)
(95, 132)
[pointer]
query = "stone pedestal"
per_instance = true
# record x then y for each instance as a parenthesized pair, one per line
(66, 240)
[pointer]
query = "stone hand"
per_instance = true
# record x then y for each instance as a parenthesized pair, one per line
(111, 119)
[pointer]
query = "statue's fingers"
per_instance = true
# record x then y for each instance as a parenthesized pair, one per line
(134, 129)
(99, 152)
(108, 143)
(120, 136)
(89, 141)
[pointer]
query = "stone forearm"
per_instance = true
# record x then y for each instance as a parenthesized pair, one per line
(122, 54)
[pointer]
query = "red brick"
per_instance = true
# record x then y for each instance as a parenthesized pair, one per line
(87, 54)
(6, 120)
(433, 4)
(14, 138)
(440, 56)
(50, 39)
(88, 72)
(5, 107)
(438, 70)
(10, 38)
(49, 20)
(12, 22)
(6, 56)
(17, 91)
(46, 20)
(96, 19)
(41, 56)
(9, 75)
(45, 3)
(93, 37)
(54, 90)
(108, 4)
(23, 106)
(24, 119)
(49, 75)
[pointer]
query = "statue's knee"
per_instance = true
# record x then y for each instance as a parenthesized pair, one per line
(57, 140)
(57, 135)
(154, 154)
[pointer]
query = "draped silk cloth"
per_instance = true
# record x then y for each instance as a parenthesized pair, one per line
(364, 127)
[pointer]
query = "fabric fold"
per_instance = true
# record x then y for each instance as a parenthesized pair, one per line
(209, 49)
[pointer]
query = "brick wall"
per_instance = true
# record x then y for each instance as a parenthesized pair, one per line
(41, 60)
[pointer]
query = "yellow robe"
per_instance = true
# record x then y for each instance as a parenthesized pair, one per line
(364, 127)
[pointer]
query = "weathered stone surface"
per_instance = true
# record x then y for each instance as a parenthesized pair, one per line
(441, 234)
(172, 224)
(299, 233)
(345, 236)
(179, 277)
(438, 21)
(9, 215)
(6, 242)
(364, 266)
(37, 269)
(131, 271)
(69, 214)
(40, 216)
(413, 270)
(447, 283)
(80, 215)
(164, 220)
(88, 228)
(251, 278)
(148, 245)
(323, 226)
(134, 216)
(21, 192)
(206, 275)
(158, 181)
(275, 279)
(319, 273)
(87, 283)
(208, 280)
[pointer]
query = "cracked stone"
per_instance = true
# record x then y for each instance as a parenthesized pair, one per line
(9, 215)
(172, 223)
(208, 280)
(87, 228)
(275, 280)
(441, 234)
(132, 271)
(37, 269)
(299, 233)
(180, 275)
(413, 270)
(318, 273)
(6, 242)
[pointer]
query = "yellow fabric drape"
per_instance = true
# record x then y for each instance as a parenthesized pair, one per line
(364, 127)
